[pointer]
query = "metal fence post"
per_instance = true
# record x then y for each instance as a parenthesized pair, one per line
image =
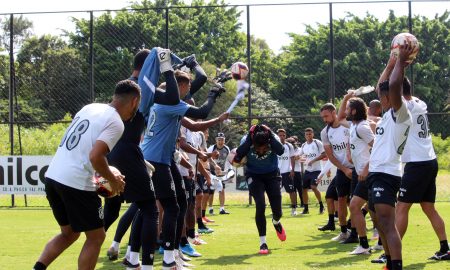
(167, 27)
(249, 79)
(11, 90)
(332, 91)
(91, 57)
(411, 67)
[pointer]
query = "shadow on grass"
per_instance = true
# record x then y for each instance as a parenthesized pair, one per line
(229, 260)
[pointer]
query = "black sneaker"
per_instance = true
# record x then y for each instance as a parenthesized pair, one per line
(350, 240)
(263, 249)
(211, 211)
(169, 266)
(381, 259)
(440, 256)
(322, 210)
(327, 227)
(224, 212)
(305, 212)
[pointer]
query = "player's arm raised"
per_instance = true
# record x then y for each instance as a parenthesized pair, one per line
(386, 72)
(199, 126)
(342, 117)
(397, 75)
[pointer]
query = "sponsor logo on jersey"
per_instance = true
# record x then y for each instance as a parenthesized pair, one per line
(340, 147)
(378, 189)
(377, 194)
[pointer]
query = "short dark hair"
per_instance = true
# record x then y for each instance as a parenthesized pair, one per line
(406, 87)
(356, 103)
(384, 88)
(328, 106)
(308, 129)
(281, 130)
(182, 76)
(261, 136)
(127, 88)
(139, 59)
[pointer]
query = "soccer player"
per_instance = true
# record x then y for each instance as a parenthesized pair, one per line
(385, 166)
(298, 185)
(221, 161)
(77, 208)
(374, 112)
(260, 148)
(158, 147)
(335, 138)
(361, 140)
(419, 179)
(313, 150)
(286, 165)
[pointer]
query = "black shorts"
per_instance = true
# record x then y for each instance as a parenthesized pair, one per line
(287, 182)
(361, 190)
(419, 182)
(344, 184)
(163, 181)
(298, 184)
(180, 189)
(190, 189)
(331, 192)
(309, 179)
(80, 209)
(268, 183)
(202, 187)
(383, 189)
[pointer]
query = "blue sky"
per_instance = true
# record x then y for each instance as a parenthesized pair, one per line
(271, 23)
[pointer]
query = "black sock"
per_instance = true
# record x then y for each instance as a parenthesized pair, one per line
(184, 241)
(203, 213)
(396, 265)
(364, 212)
(343, 228)
(191, 233)
(321, 204)
(306, 207)
(330, 219)
(354, 233)
(444, 246)
(39, 266)
(379, 241)
(349, 223)
(200, 223)
(388, 262)
(293, 206)
(363, 242)
(335, 213)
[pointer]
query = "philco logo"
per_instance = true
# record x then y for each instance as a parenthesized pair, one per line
(14, 164)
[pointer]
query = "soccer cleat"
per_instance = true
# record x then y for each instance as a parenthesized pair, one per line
(180, 263)
(189, 250)
(293, 212)
(125, 262)
(183, 257)
(350, 240)
(205, 230)
(169, 266)
(263, 249)
(196, 241)
(377, 247)
(224, 212)
(133, 266)
(112, 254)
(381, 259)
(211, 211)
(321, 210)
(327, 227)
(207, 220)
(281, 233)
(440, 256)
(341, 237)
(305, 212)
(359, 250)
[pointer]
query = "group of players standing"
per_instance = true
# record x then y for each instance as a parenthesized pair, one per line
(367, 157)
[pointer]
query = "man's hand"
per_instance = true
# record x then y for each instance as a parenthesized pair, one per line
(218, 170)
(364, 173)
(391, 62)
(203, 156)
(215, 154)
(224, 116)
(190, 61)
(216, 91)
(348, 172)
(117, 185)
(208, 180)
(404, 53)
(191, 172)
(319, 179)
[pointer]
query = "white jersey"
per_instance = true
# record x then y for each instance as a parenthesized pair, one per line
(390, 139)
(284, 161)
(419, 146)
(194, 140)
(360, 136)
(298, 165)
(311, 151)
(338, 139)
(71, 165)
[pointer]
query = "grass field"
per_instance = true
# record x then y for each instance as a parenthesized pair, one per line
(234, 244)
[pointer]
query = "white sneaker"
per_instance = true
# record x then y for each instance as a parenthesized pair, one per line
(341, 237)
(180, 263)
(293, 212)
(359, 250)
(377, 247)
(183, 257)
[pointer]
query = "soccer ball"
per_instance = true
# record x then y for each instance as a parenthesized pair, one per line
(239, 71)
(102, 185)
(230, 158)
(400, 39)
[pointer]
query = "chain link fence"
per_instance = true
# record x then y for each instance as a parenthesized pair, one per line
(300, 56)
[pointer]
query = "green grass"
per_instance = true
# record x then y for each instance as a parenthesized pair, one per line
(234, 244)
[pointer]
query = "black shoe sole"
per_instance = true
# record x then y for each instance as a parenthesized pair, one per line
(324, 228)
